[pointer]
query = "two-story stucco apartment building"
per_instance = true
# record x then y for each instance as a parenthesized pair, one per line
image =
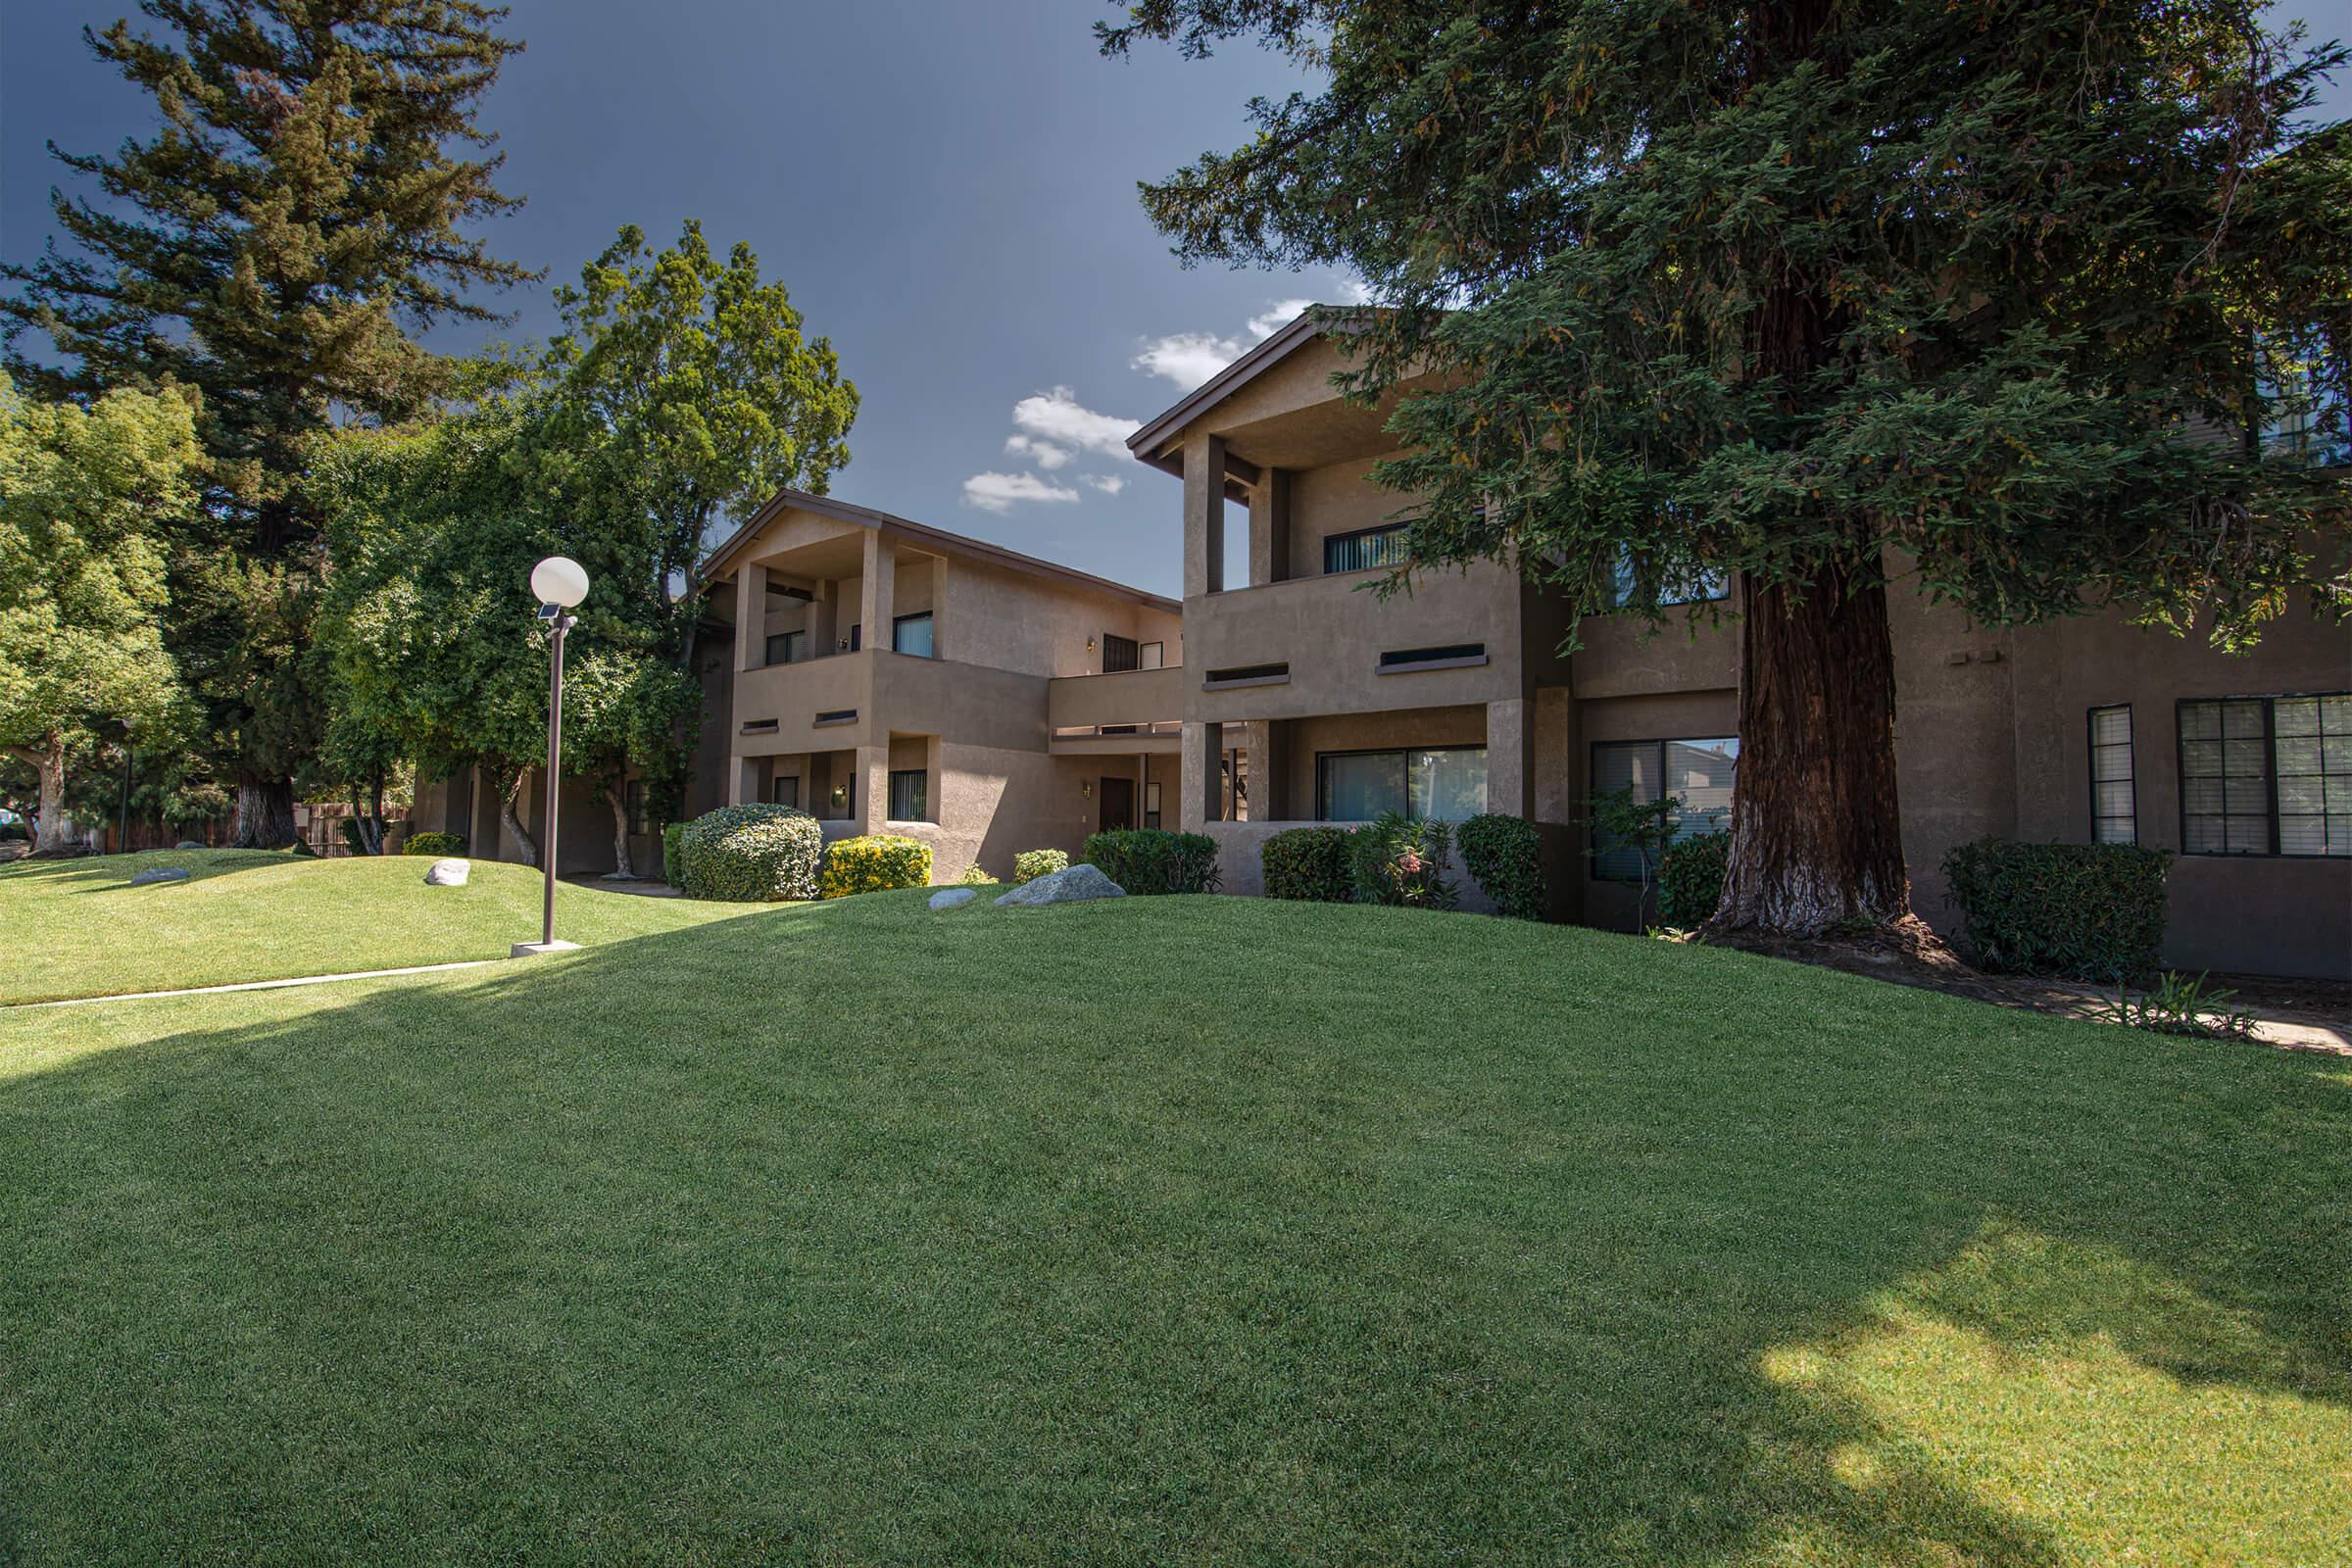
(889, 676)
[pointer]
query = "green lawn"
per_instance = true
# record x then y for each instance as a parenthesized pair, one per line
(1181, 1230)
(77, 928)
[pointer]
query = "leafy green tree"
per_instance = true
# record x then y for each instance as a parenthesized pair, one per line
(299, 213)
(682, 393)
(84, 495)
(1833, 298)
(622, 709)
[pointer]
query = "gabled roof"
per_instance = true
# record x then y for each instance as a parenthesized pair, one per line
(790, 499)
(1303, 327)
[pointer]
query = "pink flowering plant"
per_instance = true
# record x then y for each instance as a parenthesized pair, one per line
(1401, 861)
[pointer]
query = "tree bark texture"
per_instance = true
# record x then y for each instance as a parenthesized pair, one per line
(265, 813)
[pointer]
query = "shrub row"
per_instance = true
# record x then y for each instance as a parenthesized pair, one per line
(751, 853)
(1151, 861)
(873, 863)
(434, 844)
(2080, 911)
(1403, 861)
(1690, 878)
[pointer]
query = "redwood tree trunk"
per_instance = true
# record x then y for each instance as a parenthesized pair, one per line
(265, 813)
(1816, 833)
(619, 796)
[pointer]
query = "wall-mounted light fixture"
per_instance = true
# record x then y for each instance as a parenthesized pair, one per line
(1085, 791)
(1089, 645)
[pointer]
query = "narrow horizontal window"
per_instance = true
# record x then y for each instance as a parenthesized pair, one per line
(759, 726)
(1704, 586)
(1247, 675)
(835, 715)
(1365, 549)
(1452, 655)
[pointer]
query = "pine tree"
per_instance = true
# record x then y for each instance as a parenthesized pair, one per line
(1840, 298)
(274, 246)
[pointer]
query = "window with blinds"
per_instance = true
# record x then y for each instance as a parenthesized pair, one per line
(1365, 549)
(909, 797)
(2267, 775)
(2114, 795)
(1697, 774)
(1118, 654)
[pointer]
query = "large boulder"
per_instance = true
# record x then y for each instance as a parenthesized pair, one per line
(187, 844)
(1073, 886)
(451, 873)
(159, 873)
(953, 897)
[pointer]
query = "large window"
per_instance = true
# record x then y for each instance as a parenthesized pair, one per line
(1696, 772)
(2114, 797)
(1446, 782)
(1365, 549)
(912, 634)
(787, 647)
(2306, 383)
(909, 796)
(2267, 775)
(1118, 654)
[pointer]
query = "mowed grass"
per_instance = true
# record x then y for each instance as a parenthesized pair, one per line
(77, 928)
(1180, 1230)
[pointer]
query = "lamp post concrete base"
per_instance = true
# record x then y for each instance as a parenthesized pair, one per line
(532, 950)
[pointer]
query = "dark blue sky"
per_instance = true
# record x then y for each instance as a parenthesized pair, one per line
(946, 186)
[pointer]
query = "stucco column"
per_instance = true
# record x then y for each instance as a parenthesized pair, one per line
(869, 792)
(1197, 783)
(1254, 740)
(1204, 516)
(743, 779)
(1270, 526)
(1509, 777)
(750, 616)
(824, 616)
(878, 593)
(1554, 760)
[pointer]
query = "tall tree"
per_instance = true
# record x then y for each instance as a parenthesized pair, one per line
(1838, 297)
(299, 213)
(83, 498)
(683, 392)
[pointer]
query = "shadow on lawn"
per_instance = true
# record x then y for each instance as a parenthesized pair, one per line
(100, 873)
(741, 1240)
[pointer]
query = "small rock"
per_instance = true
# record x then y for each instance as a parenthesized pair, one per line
(187, 844)
(1073, 886)
(159, 873)
(450, 873)
(953, 897)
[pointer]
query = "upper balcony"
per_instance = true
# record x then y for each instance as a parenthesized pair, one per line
(1130, 711)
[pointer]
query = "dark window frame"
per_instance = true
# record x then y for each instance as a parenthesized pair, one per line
(1594, 847)
(896, 621)
(1352, 536)
(1119, 654)
(1323, 775)
(769, 653)
(922, 790)
(775, 789)
(2091, 737)
(2269, 752)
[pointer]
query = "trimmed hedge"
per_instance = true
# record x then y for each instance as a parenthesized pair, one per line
(1400, 861)
(674, 860)
(1152, 860)
(2078, 912)
(1690, 878)
(751, 853)
(434, 844)
(1309, 863)
(1030, 864)
(873, 863)
(1504, 857)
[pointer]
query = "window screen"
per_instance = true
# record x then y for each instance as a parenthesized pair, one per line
(2114, 803)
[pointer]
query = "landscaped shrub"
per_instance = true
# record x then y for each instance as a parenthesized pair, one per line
(975, 876)
(434, 844)
(873, 863)
(2081, 912)
(1153, 859)
(1307, 863)
(673, 861)
(1400, 861)
(1505, 856)
(1030, 864)
(1690, 878)
(750, 853)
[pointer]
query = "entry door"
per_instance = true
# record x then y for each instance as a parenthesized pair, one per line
(1119, 803)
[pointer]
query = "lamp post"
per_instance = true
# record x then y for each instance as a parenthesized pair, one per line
(559, 583)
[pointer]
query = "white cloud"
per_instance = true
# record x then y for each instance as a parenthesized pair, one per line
(1001, 492)
(1110, 484)
(1058, 417)
(1045, 454)
(1275, 318)
(1189, 358)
